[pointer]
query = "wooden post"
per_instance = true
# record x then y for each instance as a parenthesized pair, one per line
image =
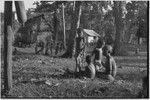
(7, 46)
(78, 22)
(21, 12)
(64, 28)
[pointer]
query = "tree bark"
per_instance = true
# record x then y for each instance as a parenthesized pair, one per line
(75, 23)
(79, 16)
(7, 46)
(64, 29)
(21, 12)
(55, 26)
(119, 26)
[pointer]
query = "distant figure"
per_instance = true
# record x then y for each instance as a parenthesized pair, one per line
(110, 63)
(49, 44)
(49, 47)
(15, 51)
(98, 53)
(90, 69)
(39, 47)
(57, 48)
(42, 42)
(61, 47)
(80, 50)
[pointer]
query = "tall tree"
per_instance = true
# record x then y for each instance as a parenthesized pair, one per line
(136, 12)
(64, 25)
(55, 24)
(75, 23)
(21, 12)
(119, 22)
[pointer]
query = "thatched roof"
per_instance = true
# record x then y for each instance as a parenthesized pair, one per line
(91, 32)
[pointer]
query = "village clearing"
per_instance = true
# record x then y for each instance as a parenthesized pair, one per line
(40, 76)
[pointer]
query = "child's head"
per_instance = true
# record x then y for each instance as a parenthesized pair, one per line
(88, 59)
(100, 43)
(79, 32)
(107, 50)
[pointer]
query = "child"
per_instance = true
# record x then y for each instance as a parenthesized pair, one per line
(57, 48)
(40, 44)
(110, 63)
(98, 54)
(90, 69)
(61, 47)
(49, 46)
(80, 49)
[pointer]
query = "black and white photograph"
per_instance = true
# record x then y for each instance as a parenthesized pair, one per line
(74, 49)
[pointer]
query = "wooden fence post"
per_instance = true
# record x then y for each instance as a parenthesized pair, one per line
(7, 46)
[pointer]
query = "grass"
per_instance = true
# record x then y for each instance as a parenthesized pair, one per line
(73, 88)
(39, 76)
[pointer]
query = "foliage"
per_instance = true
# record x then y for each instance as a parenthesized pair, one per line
(137, 17)
(137, 9)
(92, 13)
(96, 15)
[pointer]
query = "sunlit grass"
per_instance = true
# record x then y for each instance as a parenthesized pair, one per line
(31, 72)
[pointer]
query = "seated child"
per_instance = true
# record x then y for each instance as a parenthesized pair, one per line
(97, 53)
(110, 63)
(90, 69)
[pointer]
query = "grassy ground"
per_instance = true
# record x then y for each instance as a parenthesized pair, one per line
(39, 76)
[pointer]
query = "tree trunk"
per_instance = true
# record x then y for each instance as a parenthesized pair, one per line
(64, 29)
(38, 24)
(79, 15)
(21, 12)
(7, 46)
(119, 26)
(75, 23)
(127, 33)
(55, 26)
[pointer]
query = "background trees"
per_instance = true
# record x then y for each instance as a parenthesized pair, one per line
(116, 19)
(118, 12)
